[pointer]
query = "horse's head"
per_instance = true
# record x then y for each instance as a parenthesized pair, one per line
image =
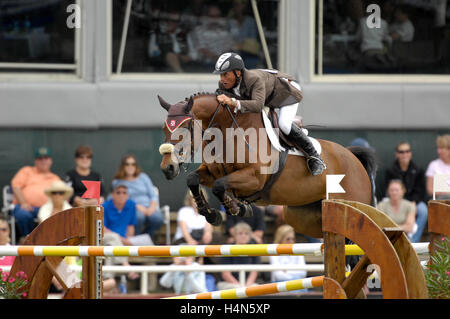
(179, 122)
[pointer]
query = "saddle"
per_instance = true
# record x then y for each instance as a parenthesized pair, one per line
(284, 139)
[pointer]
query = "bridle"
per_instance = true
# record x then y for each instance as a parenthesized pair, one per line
(190, 117)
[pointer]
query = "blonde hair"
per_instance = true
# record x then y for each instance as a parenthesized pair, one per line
(443, 141)
(281, 232)
(242, 226)
(189, 196)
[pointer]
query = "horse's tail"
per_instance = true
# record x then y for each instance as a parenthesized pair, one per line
(368, 159)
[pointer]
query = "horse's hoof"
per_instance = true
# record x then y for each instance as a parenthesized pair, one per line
(245, 210)
(214, 217)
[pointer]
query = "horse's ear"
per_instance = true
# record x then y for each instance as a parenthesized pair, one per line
(189, 105)
(164, 104)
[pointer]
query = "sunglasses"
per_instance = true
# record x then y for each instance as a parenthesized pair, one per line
(85, 156)
(4, 229)
(403, 151)
(57, 193)
(130, 164)
(121, 193)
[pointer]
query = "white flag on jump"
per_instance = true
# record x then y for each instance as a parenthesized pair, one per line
(333, 185)
(441, 183)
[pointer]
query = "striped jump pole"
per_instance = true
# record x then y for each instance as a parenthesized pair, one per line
(257, 290)
(174, 251)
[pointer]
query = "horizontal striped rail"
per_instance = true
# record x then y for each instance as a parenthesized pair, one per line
(183, 250)
(257, 290)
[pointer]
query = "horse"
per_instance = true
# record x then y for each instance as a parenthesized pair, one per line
(232, 182)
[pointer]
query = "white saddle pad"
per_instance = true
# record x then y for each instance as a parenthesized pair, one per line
(275, 141)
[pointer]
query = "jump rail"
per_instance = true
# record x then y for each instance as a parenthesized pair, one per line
(304, 249)
(257, 290)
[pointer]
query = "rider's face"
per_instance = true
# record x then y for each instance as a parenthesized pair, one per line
(228, 79)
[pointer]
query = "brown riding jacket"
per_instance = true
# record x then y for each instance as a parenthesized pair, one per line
(261, 88)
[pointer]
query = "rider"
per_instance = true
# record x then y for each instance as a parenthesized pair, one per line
(257, 88)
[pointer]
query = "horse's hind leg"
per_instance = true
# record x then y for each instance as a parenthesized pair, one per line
(212, 215)
(306, 220)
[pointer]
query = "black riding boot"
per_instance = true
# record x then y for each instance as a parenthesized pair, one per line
(315, 164)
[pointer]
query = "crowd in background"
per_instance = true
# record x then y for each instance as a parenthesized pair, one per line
(132, 215)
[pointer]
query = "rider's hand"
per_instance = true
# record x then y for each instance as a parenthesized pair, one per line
(224, 99)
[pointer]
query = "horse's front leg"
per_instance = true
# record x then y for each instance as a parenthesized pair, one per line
(243, 180)
(202, 177)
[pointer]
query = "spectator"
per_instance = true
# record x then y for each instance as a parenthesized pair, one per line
(211, 38)
(83, 172)
(242, 236)
(28, 186)
(402, 29)
(169, 44)
(58, 194)
(400, 210)
(413, 177)
(245, 33)
(256, 222)
(374, 45)
(441, 165)
(5, 240)
(285, 234)
(120, 223)
(192, 227)
(185, 282)
(142, 192)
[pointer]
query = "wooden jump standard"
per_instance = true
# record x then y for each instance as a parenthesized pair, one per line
(383, 242)
(76, 226)
(438, 221)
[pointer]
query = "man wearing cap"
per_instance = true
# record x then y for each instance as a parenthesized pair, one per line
(257, 88)
(28, 186)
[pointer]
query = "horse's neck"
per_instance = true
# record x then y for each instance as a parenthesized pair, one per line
(206, 105)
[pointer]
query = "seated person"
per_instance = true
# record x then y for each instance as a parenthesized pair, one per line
(83, 172)
(120, 222)
(401, 29)
(192, 228)
(58, 193)
(400, 210)
(256, 222)
(28, 186)
(441, 165)
(242, 236)
(142, 192)
(285, 234)
(184, 282)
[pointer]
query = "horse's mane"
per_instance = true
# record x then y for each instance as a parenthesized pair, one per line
(199, 94)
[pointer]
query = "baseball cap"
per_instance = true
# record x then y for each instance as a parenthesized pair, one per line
(42, 152)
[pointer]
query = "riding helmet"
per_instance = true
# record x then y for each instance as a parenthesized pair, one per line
(227, 62)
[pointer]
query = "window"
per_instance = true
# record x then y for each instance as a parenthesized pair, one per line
(34, 36)
(189, 35)
(382, 37)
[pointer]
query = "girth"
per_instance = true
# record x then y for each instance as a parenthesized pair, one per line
(264, 193)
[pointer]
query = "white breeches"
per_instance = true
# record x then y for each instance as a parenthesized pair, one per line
(288, 113)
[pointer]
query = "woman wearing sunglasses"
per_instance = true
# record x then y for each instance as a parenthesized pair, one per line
(58, 200)
(143, 193)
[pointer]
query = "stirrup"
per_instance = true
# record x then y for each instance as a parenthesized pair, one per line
(319, 169)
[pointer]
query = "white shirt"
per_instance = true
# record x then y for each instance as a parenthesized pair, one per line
(192, 219)
(404, 29)
(372, 38)
(284, 275)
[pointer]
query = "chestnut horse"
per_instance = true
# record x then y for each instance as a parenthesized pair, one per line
(231, 181)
